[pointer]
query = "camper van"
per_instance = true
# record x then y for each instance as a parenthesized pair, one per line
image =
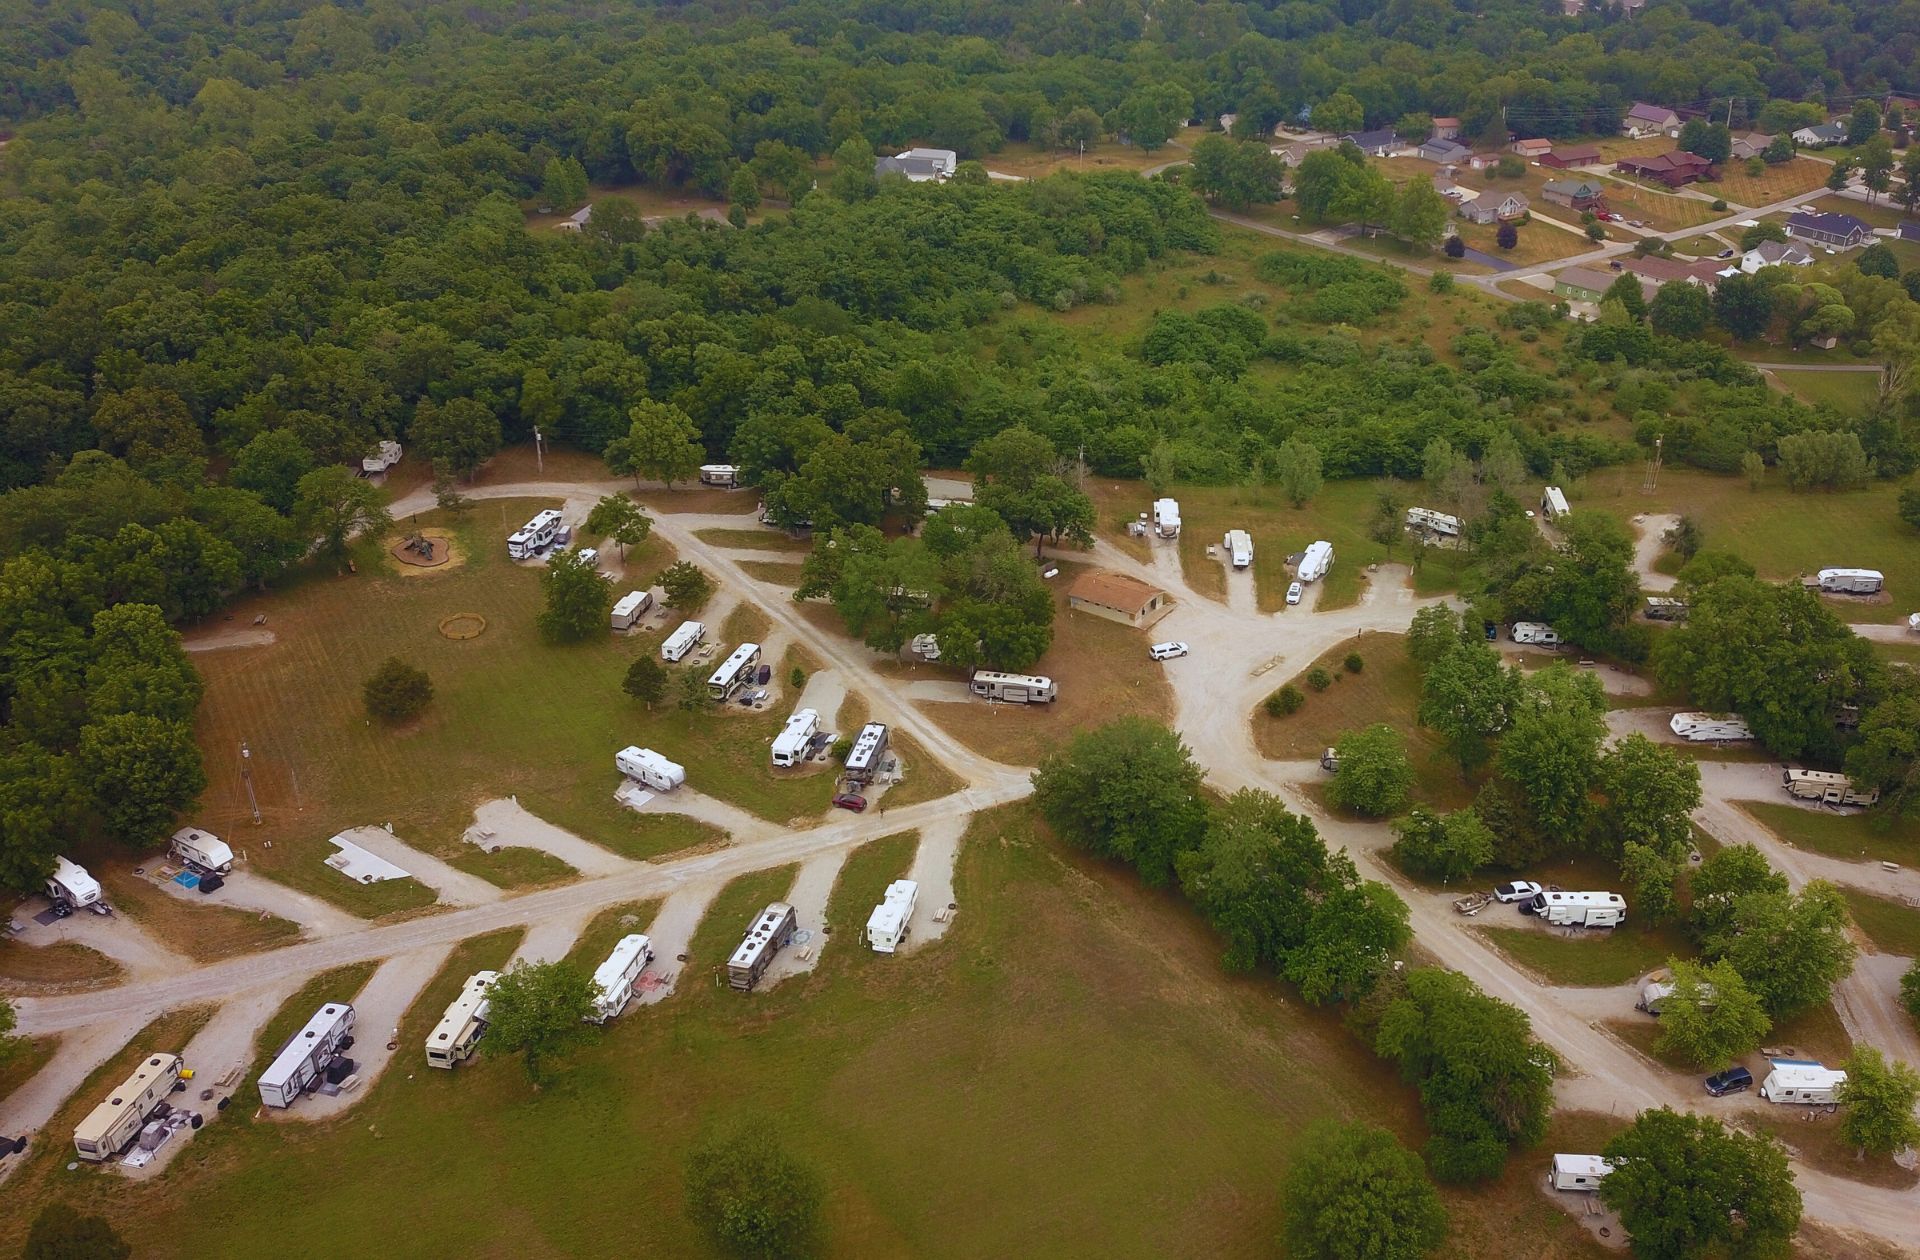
(1709, 728)
(682, 641)
(791, 744)
(109, 1127)
(771, 931)
(868, 753)
(72, 887)
(649, 768)
(1537, 633)
(887, 925)
(1666, 608)
(613, 979)
(1427, 521)
(1580, 909)
(629, 608)
(725, 476)
(1014, 688)
(1578, 1172)
(1315, 561)
(1827, 787)
(1166, 518)
(459, 1030)
(535, 536)
(202, 850)
(308, 1054)
(1851, 581)
(734, 672)
(1802, 1081)
(1239, 545)
(1553, 503)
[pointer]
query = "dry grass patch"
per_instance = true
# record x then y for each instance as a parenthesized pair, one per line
(1814, 1137)
(30, 1054)
(647, 200)
(1034, 161)
(780, 573)
(62, 967)
(204, 930)
(1775, 183)
(1536, 243)
(753, 540)
(927, 778)
(747, 623)
(698, 499)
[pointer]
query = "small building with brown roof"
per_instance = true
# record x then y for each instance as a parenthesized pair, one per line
(1705, 273)
(1565, 156)
(1532, 148)
(1672, 169)
(1118, 597)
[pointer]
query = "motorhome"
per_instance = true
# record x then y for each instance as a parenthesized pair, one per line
(108, 1128)
(649, 768)
(202, 850)
(1851, 581)
(1666, 608)
(1166, 518)
(726, 476)
(1802, 1081)
(868, 753)
(1553, 503)
(1578, 1172)
(1537, 633)
(683, 640)
(1709, 728)
(734, 672)
(791, 744)
(1581, 909)
(1426, 520)
(1315, 561)
(1239, 545)
(72, 887)
(1655, 994)
(770, 932)
(460, 1029)
(307, 1055)
(1827, 787)
(535, 536)
(887, 925)
(1014, 688)
(613, 979)
(629, 608)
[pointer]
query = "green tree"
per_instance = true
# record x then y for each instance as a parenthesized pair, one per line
(1375, 776)
(1651, 793)
(136, 665)
(1339, 113)
(1791, 949)
(539, 1012)
(1506, 236)
(60, 1232)
(617, 517)
(1235, 173)
(579, 599)
(1876, 1103)
(271, 465)
(1296, 470)
(457, 436)
(1551, 749)
(744, 190)
(1352, 1192)
(1435, 631)
(143, 772)
(1445, 847)
(686, 586)
(563, 182)
(752, 1199)
(1711, 1018)
(646, 680)
(1863, 125)
(1719, 884)
(853, 170)
(1743, 306)
(1420, 214)
(1626, 290)
(396, 691)
(333, 505)
(1910, 991)
(1467, 697)
(662, 442)
(1688, 1186)
(1128, 790)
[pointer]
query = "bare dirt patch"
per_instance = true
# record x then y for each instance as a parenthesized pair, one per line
(410, 562)
(63, 967)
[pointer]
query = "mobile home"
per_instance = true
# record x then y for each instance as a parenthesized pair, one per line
(306, 1055)
(1706, 728)
(1553, 503)
(650, 768)
(1239, 545)
(535, 536)
(887, 925)
(629, 607)
(791, 744)
(202, 850)
(1827, 787)
(459, 1030)
(1578, 1172)
(1315, 561)
(1429, 521)
(1852, 581)
(1166, 518)
(868, 753)
(613, 979)
(1666, 608)
(1581, 909)
(1014, 688)
(769, 933)
(726, 476)
(109, 1127)
(1535, 632)
(1802, 1081)
(735, 672)
(683, 640)
(71, 885)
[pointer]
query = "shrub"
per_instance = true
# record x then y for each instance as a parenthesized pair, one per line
(1440, 282)
(1285, 701)
(1719, 204)
(797, 679)
(1910, 991)
(396, 691)
(1355, 662)
(1318, 679)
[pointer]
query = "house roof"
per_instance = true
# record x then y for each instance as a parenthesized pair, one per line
(1533, 146)
(1833, 224)
(1909, 230)
(1675, 160)
(1577, 154)
(1824, 131)
(1643, 112)
(1777, 251)
(910, 165)
(1585, 278)
(1118, 591)
(1574, 187)
(1494, 198)
(1443, 151)
(1381, 137)
(1446, 122)
(1664, 269)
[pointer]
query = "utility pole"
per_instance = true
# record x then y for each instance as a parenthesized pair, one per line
(1652, 481)
(539, 459)
(246, 777)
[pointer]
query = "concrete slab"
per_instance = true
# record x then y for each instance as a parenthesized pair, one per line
(824, 693)
(501, 822)
(932, 869)
(549, 939)
(455, 886)
(247, 891)
(670, 933)
(378, 1009)
(362, 866)
(115, 935)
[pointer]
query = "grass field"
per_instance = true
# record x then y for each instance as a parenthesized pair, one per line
(1605, 957)
(753, 540)
(1031, 1045)
(779, 572)
(1034, 161)
(27, 1057)
(1892, 926)
(62, 967)
(1852, 837)
(1776, 183)
(1849, 393)
(926, 777)
(1881, 214)
(1534, 243)
(1816, 1139)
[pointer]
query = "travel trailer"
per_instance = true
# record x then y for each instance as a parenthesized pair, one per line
(1705, 728)
(734, 672)
(1666, 608)
(1537, 633)
(1315, 561)
(1581, 909)
(535, 536)
(202, 850)
(1426, 520)
(1578, 1172)
(683, 640)
(307, 1055)
(453, 1039)
(1851, 581)
(1166, 518)
(791, 744)
(72, 887)
(649, 768)
(726, 476)
(887, 925)
(1239, 545)
(109, 1127)
(771, 931)
(1553, 503)
(868, 753)
(629, 609)
(1655, 993)
(613, 979)
(1802, 1081)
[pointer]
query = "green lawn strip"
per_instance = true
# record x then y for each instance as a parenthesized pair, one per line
(369, 901)
(476, 953)
(1596, 957)
(1849, 393)
(753, 540)
(514, 866)
(28, 1056)
(605, 929)
(1851, 837)
(726, 921)
(868, 871)
(1892, 926)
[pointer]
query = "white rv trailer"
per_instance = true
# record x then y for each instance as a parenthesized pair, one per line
(868, 752)
(384, 456)
(1166, 518)
(790, 745)
(1553, 503)
(769, 933)
(1852, 581)
(1239, 545)
(683, 640)
(1432, 522)
(649, 767)
(1802, 1081)
(107, 1129)
(1581, 909)
(726, 476)
(535, 536)
(613, 979)
(1666, 608)
(1315, 561)
(735, 672)
(306, 1055)
(1827, 787)
(1535, 632)
(454, 1037)
(887, 925)
(1014, 688)
(1578, 1172)
(1655, 994)
(202, 850)
(1706, 728)
(70, 884)
(628, 608)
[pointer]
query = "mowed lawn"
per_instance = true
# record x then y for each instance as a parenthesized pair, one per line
(1068, 1072)
(1849, 393)
(1851, 837)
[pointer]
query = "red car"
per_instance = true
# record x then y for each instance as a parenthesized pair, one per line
(849, 800)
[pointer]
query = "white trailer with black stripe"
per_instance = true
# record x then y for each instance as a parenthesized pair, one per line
(304, 1058)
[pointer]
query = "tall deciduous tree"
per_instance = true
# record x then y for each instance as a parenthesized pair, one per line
(1374, 775)
(1352, 1192)
(1711, 1018)
(646, 680)
(539, 1011)
(1468, 697)
(1877, 1103)
(617, 517)
(143, 771)
(457, 436)
(333, 505)
(1128, 790)
(662, 442)
(1790, 948)
(1688, 1186)
(1296, 468)
(1445, 847)
(578, 599)
(752, 1199)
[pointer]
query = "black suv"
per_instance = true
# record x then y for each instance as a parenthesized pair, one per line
(1731, 1081)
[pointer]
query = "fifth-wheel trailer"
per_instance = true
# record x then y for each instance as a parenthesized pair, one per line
(1826, 786)
(459, 1030)
(613, 979)
(887, 925)
(683, 640)
(769, 933)
(1581, 909)
(1014, 688)
(106, 1130)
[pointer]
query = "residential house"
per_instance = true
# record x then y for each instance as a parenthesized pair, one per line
(919, 165)
(1295, 153)
(1580, 195)
(1532, 150)
(1445, 152)
(1656, 271)
(1775, 254)
(1378, 143)
(1820, 135)
(1645, 120)
(1565, 157)
(1672, 169)
(1494, 206)
(1444, 185)
(1485, 161)
(1752, 145)
(1117, 597)
(1446, 129)
(1840, 231)
(1582, 284)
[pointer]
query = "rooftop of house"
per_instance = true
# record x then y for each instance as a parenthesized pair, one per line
(1585, 278)
(1378, 138)
(1119, 591)
(1825, 221)
(1643, 112)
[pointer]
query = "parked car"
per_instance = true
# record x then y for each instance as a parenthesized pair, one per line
(1516, 890)
(1167, 651)
(1731, 1081)
(852, 801)
(1293, 593)
(1488, 628)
